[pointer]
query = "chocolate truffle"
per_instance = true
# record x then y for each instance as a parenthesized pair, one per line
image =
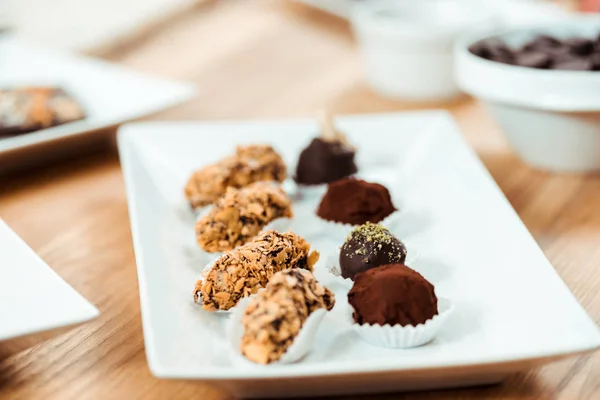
(392, 294)
(353, 201)
(370, 246)
(325, 161)
(327, 158)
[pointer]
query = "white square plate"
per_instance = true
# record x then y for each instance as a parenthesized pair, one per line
(110, 94)
(512, 309)
(33, 298)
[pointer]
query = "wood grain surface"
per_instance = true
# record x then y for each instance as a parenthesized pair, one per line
(255, 59)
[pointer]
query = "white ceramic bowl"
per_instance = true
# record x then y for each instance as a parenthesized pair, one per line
(407, 44)
(551, 118)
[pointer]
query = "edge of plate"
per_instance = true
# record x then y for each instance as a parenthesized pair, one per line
(90, 313)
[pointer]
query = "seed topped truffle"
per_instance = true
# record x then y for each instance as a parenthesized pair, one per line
(393, 294)
(370, 246)
(355, 202)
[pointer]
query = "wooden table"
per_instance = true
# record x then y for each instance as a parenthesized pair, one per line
(255, 59)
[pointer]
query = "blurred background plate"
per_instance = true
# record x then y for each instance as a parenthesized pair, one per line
(34, 298)
(517, 12)
(110, 95)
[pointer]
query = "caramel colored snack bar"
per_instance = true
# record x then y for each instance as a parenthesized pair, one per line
(28, 109)
(249, 164)
(240, 214)
(248, 268)
(275, 317)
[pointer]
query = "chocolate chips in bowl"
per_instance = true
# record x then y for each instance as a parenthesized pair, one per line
(541, 85)
(575, 53)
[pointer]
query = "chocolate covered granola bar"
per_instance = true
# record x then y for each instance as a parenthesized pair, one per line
(249, 164)
(24, 110)
(240, 214)
(274, 318)
(243, 271)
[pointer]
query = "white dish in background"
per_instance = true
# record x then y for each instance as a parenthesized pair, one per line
(406, 46)
(511, 313)
(33, 298)
(551, 118)
(110, 94)
(518, 12)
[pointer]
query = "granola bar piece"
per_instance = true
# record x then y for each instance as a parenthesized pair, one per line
(245, 270)
(274, 318)
(27, 109)
(238, 216)
(249, 164)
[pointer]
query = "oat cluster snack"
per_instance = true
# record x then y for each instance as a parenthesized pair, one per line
(28, 109)
(241, 272)
(240, 214)
(249, 164)
(274, 318)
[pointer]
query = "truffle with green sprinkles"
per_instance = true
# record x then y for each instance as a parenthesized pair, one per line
(370, 246)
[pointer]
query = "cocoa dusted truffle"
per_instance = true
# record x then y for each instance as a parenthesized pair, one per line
(355, 202)
(392, 294)
(327, 158)
(370, 246)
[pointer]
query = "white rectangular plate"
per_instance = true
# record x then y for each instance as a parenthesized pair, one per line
(33, 298)
(110, 94)
(512, 309)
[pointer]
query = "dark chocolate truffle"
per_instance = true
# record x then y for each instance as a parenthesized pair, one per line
(353, 201)
(370, 246)
(325, 161)
(392, 294)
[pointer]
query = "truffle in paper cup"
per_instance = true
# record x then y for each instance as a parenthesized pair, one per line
(300, 347)
(332, 263)
(404, 337)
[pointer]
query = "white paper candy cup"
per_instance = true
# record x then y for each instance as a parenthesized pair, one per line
(332, 263)
(339, 230)
(300, 347)
(303, 193)
(310, 192)
(279, 225)
(201, 211)
(290, 188)
(404, 337)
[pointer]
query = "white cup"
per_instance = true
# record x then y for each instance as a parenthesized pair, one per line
(407, 44)
(6, 15)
